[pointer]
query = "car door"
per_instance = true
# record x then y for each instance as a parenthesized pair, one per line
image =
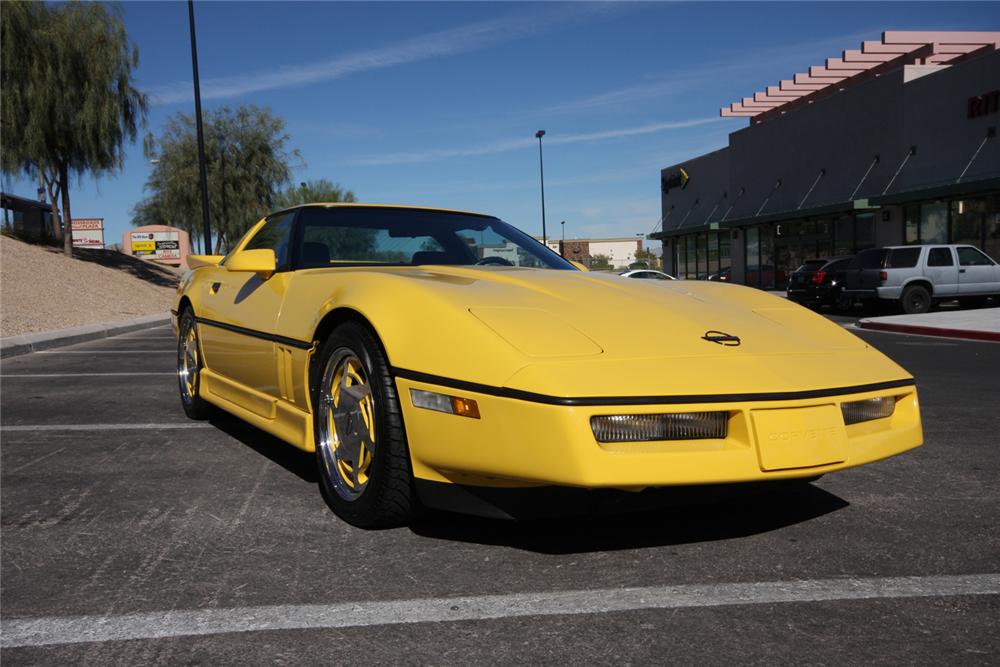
(942, 270)
(977, 273)
(238, 317)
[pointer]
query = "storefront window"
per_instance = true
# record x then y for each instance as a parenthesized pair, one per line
(967, 221)
(724, 262)
(991, 226)
(753, 256)
(911, 222)
(713, 252)
(864, 231)
(767, 270)
(692, 263)
(934, 223)
(843, 236)
(702, 256)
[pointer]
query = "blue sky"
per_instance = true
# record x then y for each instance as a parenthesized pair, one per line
(438, 103)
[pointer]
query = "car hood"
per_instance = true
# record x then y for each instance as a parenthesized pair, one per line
(574, 333)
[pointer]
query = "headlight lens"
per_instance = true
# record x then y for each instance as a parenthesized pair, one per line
(868, 409)
(672, 426)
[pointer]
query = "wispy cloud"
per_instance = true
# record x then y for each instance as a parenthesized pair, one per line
(463, 39)
(508, 145)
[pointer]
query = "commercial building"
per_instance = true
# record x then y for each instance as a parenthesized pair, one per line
(621, 251)
(894, 143)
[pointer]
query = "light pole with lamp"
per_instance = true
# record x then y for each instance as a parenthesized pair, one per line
(541, 173)
(562, 244)
(201, 133)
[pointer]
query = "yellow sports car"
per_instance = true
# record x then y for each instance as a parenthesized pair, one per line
(449, 359)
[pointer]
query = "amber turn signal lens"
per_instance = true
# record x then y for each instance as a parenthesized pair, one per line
(466, 407)
(454, 405)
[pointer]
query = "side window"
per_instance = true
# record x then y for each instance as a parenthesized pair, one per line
(275, 235)
(903, 258)
(940, 257)
(968, 256)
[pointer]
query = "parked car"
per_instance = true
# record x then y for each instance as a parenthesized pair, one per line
(421, 369)
(724, 275)
(916, 277)
(647, 274)
(818, 282)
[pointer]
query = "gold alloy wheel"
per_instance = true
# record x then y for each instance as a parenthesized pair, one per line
(187, 364)
(346, 424)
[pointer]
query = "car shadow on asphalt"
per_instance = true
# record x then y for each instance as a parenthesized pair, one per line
(746, 511)
(299, 463)
(655, 518)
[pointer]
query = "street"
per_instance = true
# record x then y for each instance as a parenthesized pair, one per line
(114, 504)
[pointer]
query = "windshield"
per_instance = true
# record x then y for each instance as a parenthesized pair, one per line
(353, 235)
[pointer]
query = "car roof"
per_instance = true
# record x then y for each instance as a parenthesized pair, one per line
(396, 206)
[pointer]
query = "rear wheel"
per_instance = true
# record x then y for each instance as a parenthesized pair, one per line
(361, 450)
(915, 300)
(189, 366)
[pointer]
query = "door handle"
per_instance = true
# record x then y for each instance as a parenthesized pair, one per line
(961, 270)
(215, 288)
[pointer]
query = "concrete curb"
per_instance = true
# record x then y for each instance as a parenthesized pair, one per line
(969, 334)
(12, 346)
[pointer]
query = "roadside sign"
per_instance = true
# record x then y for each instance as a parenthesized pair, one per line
(88, 232)
(155, 245)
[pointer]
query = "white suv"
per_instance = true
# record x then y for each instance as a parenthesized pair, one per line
(916, 276)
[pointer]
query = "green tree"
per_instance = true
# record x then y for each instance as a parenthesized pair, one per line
(69, 105)
(248, 161)
(321, 190)
(600, 262)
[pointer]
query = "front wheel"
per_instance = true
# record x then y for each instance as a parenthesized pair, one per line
(361, 450)
(189, 366)
(916, 300)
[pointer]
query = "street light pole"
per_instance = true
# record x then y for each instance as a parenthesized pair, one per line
(541, 172)
(224, 218)
(201, 133)
(562, 244)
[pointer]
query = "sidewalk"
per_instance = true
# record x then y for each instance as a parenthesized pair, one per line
(12, 346)
(978, 324)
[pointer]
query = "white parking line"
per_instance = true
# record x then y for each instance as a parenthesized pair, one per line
(73, 375)
(107, 352)
(179, 623)
(103, 427)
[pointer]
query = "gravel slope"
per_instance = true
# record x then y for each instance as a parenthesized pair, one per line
(41, 289)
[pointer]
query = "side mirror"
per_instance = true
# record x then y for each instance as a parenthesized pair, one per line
(260, 261)
(198, 261)
(578, 265)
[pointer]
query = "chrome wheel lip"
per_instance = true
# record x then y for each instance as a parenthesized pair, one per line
(345, 417)
(188, 366)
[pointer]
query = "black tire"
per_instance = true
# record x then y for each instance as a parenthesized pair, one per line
(915, 300)
(189, 366)
(385, 496)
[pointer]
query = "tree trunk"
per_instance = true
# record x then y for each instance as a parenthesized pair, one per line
(52, 187)
(67, 216)
(218, 243)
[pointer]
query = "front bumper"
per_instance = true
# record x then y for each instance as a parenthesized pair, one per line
(525, 443)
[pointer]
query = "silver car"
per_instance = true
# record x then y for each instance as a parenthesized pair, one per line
(916, 276)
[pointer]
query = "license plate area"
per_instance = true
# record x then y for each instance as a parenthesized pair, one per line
(790, 438)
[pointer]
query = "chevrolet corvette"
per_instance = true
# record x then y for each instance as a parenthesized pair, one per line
(447, 359)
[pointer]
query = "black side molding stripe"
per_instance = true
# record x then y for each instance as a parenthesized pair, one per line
(643, 400)
(253, 333)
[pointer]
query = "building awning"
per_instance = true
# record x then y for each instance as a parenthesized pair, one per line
(944, 191)
(874, 58)
(782, 216)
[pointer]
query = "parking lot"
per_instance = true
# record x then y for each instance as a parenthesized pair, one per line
(132, 535)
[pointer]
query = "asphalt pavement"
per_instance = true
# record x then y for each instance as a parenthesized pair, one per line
(131, 535)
